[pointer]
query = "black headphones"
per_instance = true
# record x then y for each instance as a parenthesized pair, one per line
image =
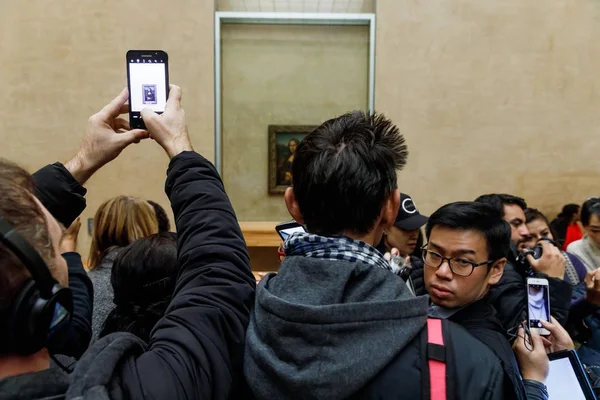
(41, 311)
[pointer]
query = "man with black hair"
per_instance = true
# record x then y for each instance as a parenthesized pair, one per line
(509, 296)
(336, 322)
(465, 255)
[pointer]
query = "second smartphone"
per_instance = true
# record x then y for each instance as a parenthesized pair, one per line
(538, 304)
(148, 83)
(285, 229)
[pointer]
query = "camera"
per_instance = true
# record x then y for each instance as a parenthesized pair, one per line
(535, 252)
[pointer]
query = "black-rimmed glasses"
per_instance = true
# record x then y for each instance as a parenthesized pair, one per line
(458, 266)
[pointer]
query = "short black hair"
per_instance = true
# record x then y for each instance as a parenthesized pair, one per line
(499, 200)
(481, 217)
(531, 214)
(164, 225)
(143, 278)
(344, 170)
(589, 208)
(568, 211)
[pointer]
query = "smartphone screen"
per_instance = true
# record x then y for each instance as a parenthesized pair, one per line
(148, 83)
(538, 300)
(286, 229)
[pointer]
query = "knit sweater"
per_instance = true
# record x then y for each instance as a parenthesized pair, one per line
(587, 251)
(103, 291)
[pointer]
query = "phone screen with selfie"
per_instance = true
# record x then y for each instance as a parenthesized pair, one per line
(148, 83)
(538, 301)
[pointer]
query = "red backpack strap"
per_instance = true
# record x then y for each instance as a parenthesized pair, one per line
(436, 359)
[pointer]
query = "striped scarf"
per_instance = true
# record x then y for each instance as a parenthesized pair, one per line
(333, 248)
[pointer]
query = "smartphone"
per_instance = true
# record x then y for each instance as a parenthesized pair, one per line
(285, 229)
(538, 304)
(148, 83)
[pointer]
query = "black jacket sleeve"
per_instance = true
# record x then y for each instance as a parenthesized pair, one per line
(196, 349)
(60, 193)
(509, 297)
(64, 198)
(79, 335)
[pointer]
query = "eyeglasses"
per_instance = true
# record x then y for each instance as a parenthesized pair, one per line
(458, 266)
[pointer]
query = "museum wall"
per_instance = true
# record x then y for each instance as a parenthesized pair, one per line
(282, 75)
(493, 96)
(61, 63)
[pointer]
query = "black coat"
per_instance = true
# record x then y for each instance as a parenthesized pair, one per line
(196, 349)
(480, 320)
(64, 198)
(471, 367)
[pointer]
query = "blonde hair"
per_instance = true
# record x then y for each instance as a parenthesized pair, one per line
(119, 222)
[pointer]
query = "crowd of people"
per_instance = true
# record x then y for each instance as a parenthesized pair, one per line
(374, 301)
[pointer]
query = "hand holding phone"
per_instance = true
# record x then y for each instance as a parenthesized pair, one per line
(538, 304)
(148, 83)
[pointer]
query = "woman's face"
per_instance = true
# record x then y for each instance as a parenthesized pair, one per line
(404, 241)
(292, 146)
(538, 229)
(593, 229)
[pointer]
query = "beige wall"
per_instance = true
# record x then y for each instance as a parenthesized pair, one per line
(493, 96)
(61, 62)
(282, 75)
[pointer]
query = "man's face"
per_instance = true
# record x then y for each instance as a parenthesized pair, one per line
(60, 270)
(515, 216)
(593, 229)
(449, 290)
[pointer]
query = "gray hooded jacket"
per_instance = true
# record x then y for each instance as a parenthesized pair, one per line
(322, 329)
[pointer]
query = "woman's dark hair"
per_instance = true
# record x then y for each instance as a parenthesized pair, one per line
(531, 214)
(344, 171)
(143, 278)
(589, 208)
(481, 217)
(161, 215)
(568, 211)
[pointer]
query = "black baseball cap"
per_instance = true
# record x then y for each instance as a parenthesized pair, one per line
(409, 217)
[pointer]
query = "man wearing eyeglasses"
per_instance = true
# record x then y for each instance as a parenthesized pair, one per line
(465, 255)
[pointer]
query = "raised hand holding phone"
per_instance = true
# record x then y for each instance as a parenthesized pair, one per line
(169, 129)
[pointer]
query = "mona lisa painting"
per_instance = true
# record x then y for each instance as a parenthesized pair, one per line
(283, 142)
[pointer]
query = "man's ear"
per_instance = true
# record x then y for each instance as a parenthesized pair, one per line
(292, 205)
(496, 271)
(390, 210)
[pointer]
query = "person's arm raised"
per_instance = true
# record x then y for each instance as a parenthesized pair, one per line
(169, 129)
(107, 134)
(60, 187)
(196, 349)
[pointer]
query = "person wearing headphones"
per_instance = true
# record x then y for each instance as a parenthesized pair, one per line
(196, 349)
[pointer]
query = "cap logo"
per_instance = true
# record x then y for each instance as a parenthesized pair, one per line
(409, 206)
